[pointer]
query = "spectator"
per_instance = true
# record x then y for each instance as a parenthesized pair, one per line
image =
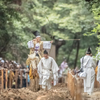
(63, 67)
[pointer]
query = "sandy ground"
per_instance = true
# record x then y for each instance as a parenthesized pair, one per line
(59, 92)
(94, 96)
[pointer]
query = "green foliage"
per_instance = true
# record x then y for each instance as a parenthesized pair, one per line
(54, 19)
(95, 8)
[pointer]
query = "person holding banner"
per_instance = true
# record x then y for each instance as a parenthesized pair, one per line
(36, 47)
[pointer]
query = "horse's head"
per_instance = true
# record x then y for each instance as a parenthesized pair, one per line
(34, 60)
(32, 56)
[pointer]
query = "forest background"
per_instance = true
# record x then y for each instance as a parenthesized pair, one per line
(74, 25)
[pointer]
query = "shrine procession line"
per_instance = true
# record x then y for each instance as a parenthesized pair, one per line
(74, 84)
(42, 70)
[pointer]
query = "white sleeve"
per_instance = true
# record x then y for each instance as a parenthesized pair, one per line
(94, 63)
(39, 68)
(55, 69)
(30, 44)
(81, 62)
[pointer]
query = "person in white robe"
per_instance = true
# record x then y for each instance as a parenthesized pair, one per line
(88, 64)
(47, 70)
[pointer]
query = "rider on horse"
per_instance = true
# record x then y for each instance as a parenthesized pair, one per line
(36, 53)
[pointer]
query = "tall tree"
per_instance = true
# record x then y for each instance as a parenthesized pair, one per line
(66, 22)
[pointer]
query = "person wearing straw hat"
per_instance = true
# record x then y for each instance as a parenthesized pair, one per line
(47, 70)
(88, 71)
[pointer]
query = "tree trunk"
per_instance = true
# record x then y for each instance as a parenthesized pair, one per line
(71, 48)
(77, 52)
(19, 2)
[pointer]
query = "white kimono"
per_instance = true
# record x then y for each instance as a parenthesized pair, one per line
(98, 73)
(89, 68)
(47, 70)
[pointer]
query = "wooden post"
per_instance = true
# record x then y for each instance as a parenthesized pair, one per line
(16, 78)
(21, 78)
(79, 85)
(74, 86)
(96, 83)
(26, 80)
(75, 89)
(10, 79)
(2, 82)
(6, 78)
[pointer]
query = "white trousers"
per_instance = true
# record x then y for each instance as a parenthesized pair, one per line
(46, 83)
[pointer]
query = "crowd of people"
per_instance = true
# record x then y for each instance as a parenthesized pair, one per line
(10, 64)
(12, 67)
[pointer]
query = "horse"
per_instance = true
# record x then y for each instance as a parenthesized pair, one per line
(34, 77)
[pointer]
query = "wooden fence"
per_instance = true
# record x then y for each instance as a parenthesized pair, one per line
(96, 84)
(75, 86)
(9, 77)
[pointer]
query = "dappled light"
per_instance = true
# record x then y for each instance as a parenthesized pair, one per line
(49, 49)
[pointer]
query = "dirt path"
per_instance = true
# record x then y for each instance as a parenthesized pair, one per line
(59, 92)
(95, 95)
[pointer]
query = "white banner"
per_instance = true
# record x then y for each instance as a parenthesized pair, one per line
(46, 45)
(30, 44)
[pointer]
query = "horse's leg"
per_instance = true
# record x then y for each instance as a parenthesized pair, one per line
(31, 87)
(36, 84)
(32, 84)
